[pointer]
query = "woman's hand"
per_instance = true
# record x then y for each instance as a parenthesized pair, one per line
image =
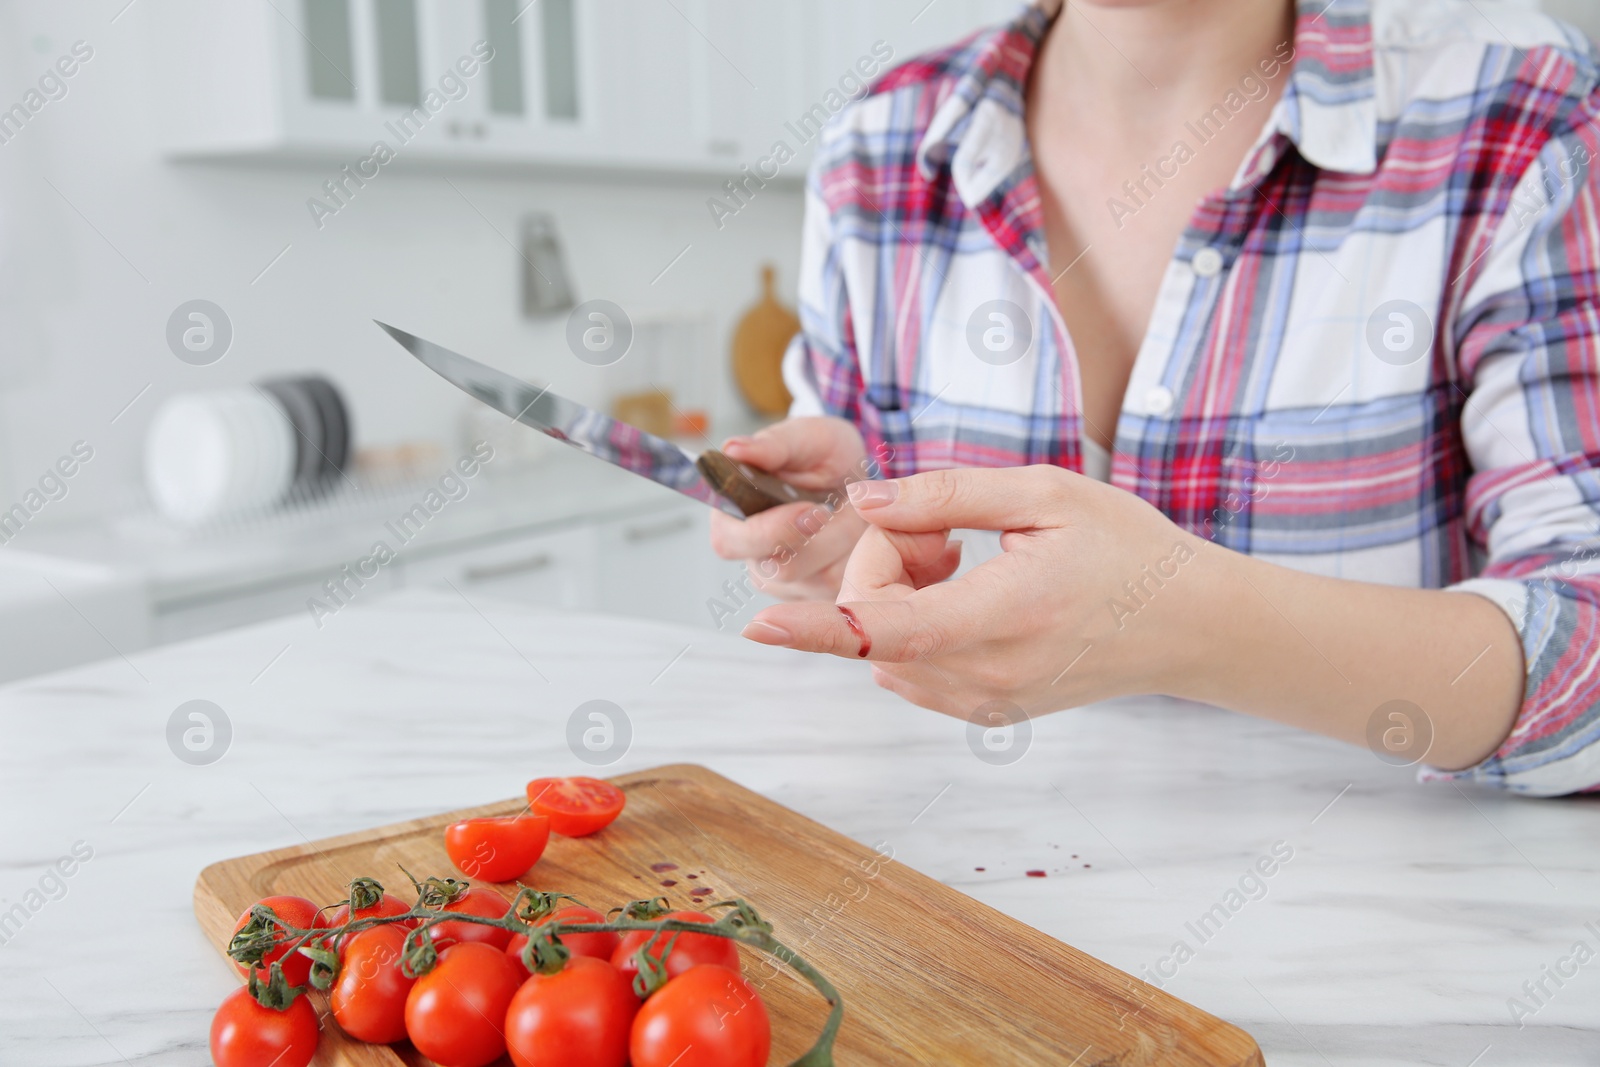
(1085, 602)
(1099, 595)
(798, 551)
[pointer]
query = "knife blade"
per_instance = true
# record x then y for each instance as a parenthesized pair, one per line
(711, 477)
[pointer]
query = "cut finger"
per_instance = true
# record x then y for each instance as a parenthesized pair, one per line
(919, 624)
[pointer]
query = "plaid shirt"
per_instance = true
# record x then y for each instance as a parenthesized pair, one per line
(1372, 356)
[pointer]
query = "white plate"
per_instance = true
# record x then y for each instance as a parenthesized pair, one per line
(270, 448)
(226, 450)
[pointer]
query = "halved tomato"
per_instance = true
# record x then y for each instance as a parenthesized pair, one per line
(576, 807)
(497, 850)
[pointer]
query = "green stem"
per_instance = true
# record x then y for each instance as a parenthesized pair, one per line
(741, 924)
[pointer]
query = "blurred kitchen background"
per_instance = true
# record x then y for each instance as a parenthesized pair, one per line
(197, 228)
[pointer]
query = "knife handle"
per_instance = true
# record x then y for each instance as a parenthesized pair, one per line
(753, 489)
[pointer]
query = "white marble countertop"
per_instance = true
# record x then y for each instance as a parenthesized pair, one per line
(1406, 918)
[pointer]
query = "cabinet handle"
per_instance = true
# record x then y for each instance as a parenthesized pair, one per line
(635, 534)
(502, 570)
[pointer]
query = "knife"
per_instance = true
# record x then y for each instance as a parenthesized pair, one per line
(712, 478)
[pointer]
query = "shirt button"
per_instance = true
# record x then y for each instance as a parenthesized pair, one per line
(1158, 400)
(1207, 262)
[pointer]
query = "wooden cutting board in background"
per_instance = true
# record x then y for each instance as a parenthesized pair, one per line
(928, 975)
(758, 345)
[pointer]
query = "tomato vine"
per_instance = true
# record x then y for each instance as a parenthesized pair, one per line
(528, 914)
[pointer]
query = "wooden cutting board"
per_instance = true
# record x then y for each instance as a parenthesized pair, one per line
(759, 342)
(928, 975)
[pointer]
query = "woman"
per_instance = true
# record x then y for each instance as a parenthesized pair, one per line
(1314, 290)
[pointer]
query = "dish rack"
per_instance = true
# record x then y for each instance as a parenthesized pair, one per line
(365, 492)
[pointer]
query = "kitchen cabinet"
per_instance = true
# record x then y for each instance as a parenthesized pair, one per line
(326, 80)
(198, 616)
(660, 566)
(565, 533)
(59, 613)
(553, 569)
(749, 79)
(588, 83)
(657, 566)
(837, 33)
(652, 564)
(687, 86)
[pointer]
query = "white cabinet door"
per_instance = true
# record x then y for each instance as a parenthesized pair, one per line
(306, 595)
(553, 569)
(541, 96)
(660, 566)
(749, 78)
(347, 70)
(645, 96)
(327, 79)
(657, 565)
(842, 31)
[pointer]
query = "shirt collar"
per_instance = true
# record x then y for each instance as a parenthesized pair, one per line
(1328, 109)
(977, 130)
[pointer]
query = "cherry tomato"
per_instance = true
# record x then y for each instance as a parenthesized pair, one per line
(688, 951)
(577, 807)
(369, 998)
(456, 1013)
(578, 1017)
(705, 1017)
(244, 1034)
(386, 905)
(482, 902)
(497, 850)
(298, 912)
(600, 946)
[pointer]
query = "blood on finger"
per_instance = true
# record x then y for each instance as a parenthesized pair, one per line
(857, 629)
